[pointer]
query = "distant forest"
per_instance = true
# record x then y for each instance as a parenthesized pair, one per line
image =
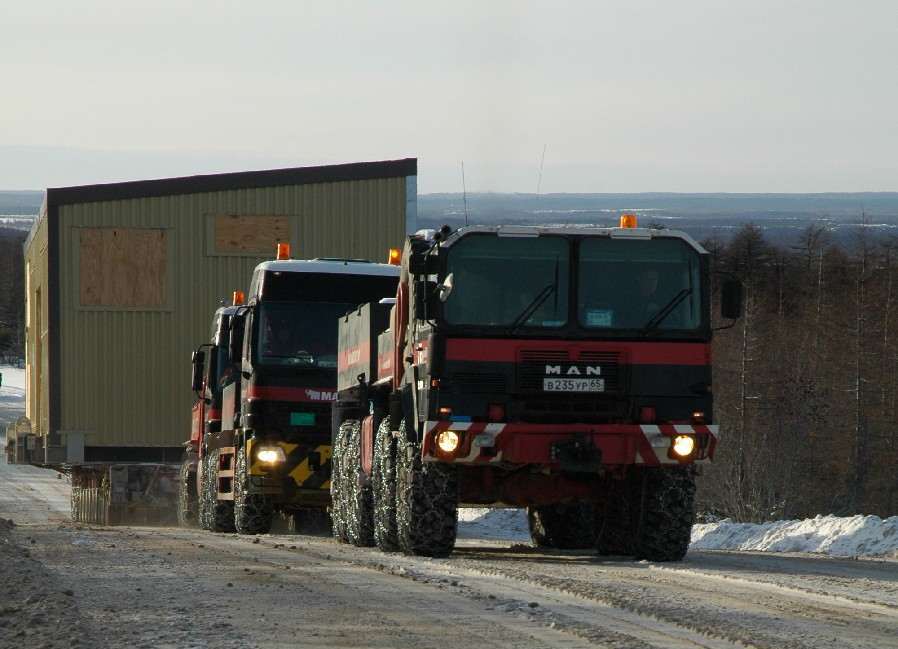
(806, 383)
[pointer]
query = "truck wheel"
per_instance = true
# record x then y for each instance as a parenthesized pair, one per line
(203, 504)
(220, 513)
(426, 502)
(565, 526)
(187, 500)
(360, 502)
(383, 480)
(253, 514)
(339, 498)
(667, 513)
(615, 532)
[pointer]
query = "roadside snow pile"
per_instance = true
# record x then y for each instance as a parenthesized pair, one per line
(848, 536)
(13, 377)
(493, 524)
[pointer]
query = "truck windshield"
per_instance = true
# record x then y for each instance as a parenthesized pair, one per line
(301, 334)
(509, 282)
(643, 285)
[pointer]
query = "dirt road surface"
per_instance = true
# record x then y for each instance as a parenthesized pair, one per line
(65, 585)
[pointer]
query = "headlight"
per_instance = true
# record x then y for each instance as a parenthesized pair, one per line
(270, 454)
(683, 445)
(448, 441)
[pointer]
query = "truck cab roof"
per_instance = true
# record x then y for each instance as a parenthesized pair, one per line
(573, 230)
(329, 266)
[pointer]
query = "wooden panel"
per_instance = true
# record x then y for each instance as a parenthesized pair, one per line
(123, 267)
(250, 235)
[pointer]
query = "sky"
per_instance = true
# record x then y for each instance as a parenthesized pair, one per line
(630, 96)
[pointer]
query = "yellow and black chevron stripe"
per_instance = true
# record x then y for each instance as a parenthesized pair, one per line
(309, 465)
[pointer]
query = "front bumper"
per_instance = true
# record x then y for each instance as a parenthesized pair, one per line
(306, 468)
(605, 444)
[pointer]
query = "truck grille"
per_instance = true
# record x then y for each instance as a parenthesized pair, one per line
(477, 383)
(532, 364)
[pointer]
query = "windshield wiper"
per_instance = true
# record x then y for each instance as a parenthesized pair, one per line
(531, 308)
(667, 309)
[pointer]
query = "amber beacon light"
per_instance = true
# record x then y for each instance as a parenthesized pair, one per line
(283, 251)
(394, 257)
(239, 298)
(628, 221)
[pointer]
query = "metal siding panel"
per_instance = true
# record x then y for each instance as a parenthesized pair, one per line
(124, 373)
(37, 263)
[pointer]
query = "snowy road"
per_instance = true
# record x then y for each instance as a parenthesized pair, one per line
(149, 587)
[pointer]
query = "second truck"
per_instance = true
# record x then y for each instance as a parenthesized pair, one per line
(260, 444)
(566, 370)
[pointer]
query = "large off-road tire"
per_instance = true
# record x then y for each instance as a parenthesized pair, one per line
(203, 515)
(426, 502)
(339, 498)
(569, 526)
(383, 482)
(253, 513)
(219, 513)
(359, 499)
(617, 516)
(666, 513)
(187, 499)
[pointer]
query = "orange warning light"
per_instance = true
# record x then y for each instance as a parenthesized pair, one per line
(394, 257)
(628, 221)
(283, 251)
(239, 298)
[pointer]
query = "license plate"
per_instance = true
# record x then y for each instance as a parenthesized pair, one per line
(573, 385)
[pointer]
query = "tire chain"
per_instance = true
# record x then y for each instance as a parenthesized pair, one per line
(187, 506)
(338, 483)
(668, 511)
(383, 481)
(253, 513)
(426, 501)
(219, 513)
(360, 500)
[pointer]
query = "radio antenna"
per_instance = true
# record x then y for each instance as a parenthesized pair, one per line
(464, 191)
(539, 180)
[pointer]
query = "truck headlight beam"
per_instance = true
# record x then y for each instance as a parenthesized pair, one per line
(683, 445)
(270, 454)
(448, 441)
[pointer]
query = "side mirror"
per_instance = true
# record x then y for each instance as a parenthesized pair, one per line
(731, 299)
(427, 304)
(445, 289)
(197, 359)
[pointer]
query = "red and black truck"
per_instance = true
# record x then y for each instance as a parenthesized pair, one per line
(271, 453)
(213, 370)
(562, 369)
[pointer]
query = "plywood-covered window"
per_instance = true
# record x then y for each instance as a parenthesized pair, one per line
(123, 267)
(248, 235)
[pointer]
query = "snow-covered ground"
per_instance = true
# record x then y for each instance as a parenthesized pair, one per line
(848, 536)
(12, 396)
(493, 524)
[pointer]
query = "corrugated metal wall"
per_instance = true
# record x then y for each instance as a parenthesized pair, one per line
(125, 373)
(36, 328)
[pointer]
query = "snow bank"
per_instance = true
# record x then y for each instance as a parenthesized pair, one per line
(12, 397)
(13, 377)
(493, 524)
(848, 536)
